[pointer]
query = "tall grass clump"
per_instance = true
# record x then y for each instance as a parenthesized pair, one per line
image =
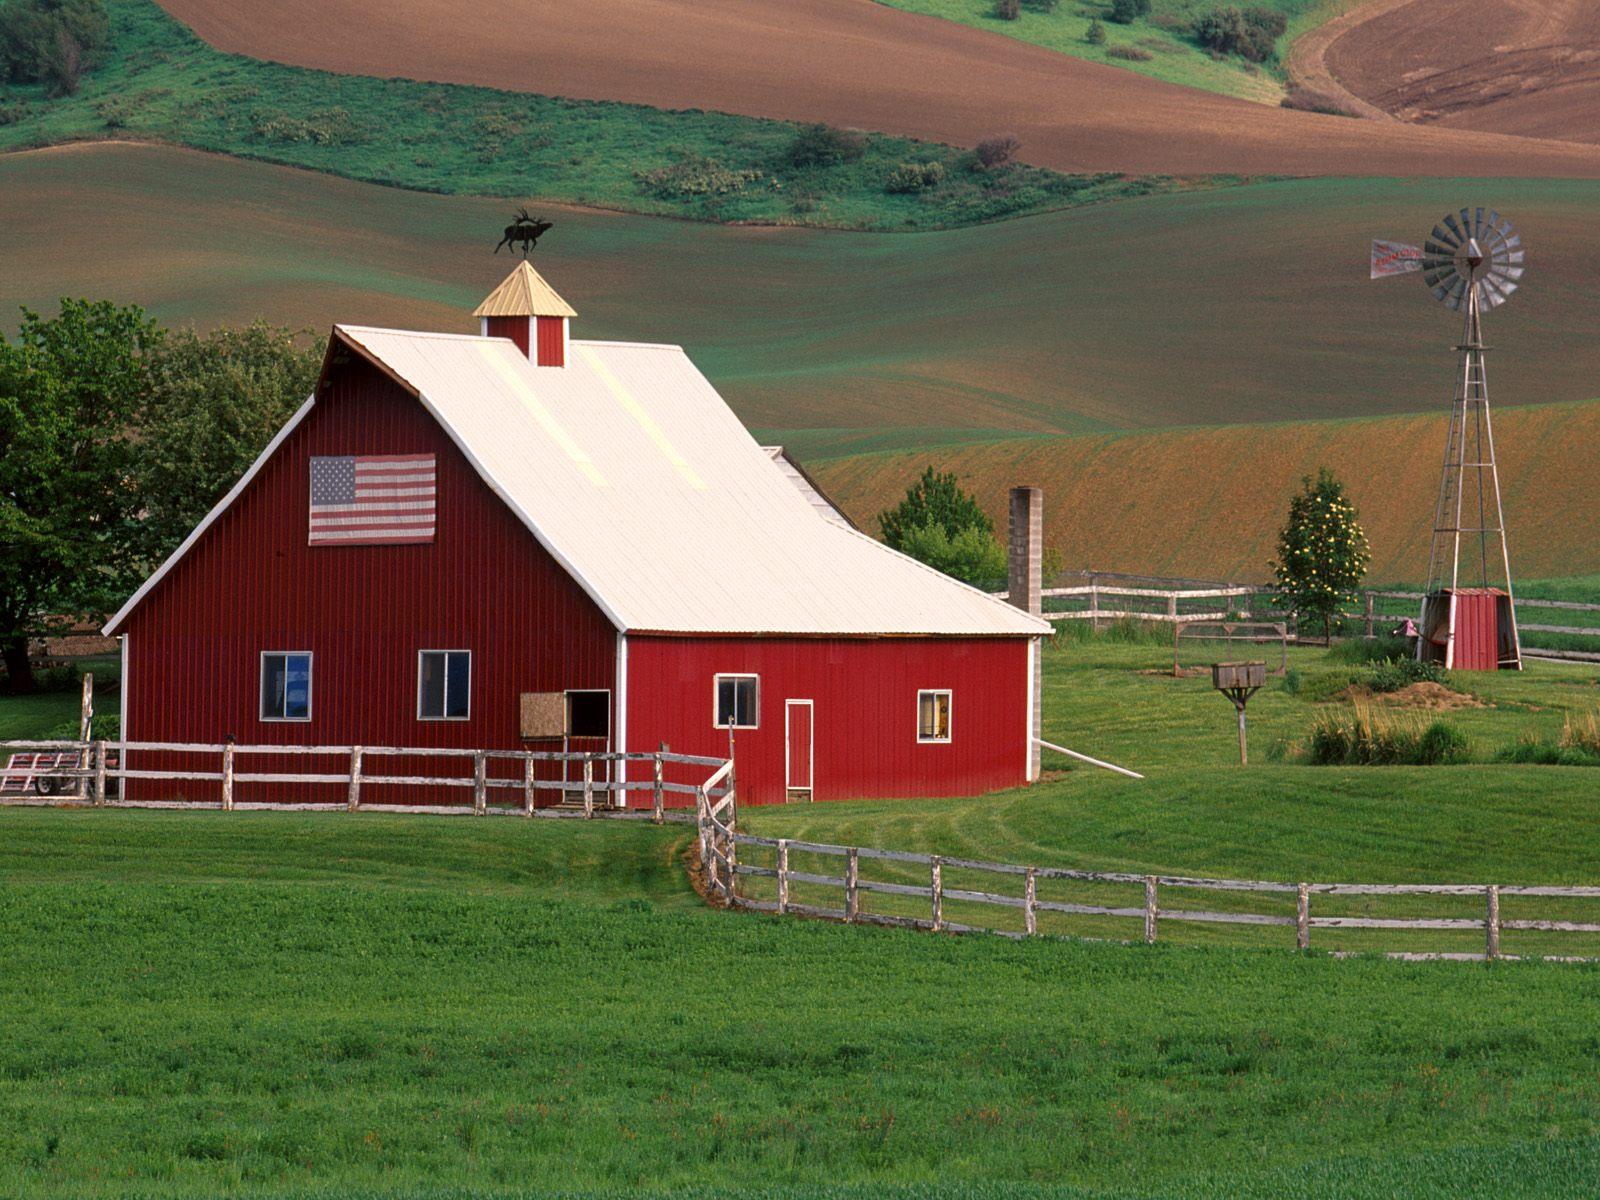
(1577, 746)
(1363, 738)
(1370, 650)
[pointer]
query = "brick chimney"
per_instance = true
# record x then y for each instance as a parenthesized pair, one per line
(1025, 589)
(527, 310)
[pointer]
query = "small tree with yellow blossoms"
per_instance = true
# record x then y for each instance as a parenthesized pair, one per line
(1322, 552)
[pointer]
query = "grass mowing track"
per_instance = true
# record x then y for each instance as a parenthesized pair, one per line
(272, 1004)
(164, 84)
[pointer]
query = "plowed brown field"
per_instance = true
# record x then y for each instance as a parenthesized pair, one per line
(1524, 67)
(859, 64)
(1207, 503)
(1244, 304)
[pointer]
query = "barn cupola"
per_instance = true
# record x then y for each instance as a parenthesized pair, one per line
(527, 310)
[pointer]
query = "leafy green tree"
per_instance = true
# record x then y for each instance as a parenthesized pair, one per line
(71, 390)
(1126, 12)
(970, 555)
(935, 499)
(51, 41)
(1322, 552)
(215, 402)
(1096, 36)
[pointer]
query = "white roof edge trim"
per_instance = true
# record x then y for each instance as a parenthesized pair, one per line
(499, 490)
(628, 345)
(221, 506)
(1041, 626)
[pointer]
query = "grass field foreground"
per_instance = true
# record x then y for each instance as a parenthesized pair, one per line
(163, 84)
(401, 1007)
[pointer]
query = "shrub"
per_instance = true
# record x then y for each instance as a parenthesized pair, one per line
(1008, 10)
(1129, 54)
(1251, 33)
(823, 146)
(998, 150)
(1393, 675)
(1126, 12)
(1096, 36)
(52, 42)
(1362, 738)
(972, 555)
(1291, 681)
(327, 127)
(913, 177)
(15, 112)
(1365, 650)
(696, 176)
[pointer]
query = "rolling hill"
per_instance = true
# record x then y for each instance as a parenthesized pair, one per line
(1207, 503)
(856, 64)
(1242, 305)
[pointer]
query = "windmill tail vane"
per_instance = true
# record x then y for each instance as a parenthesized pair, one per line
(1471, 261)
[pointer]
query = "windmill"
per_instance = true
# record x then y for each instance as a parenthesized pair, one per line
(1472, 261)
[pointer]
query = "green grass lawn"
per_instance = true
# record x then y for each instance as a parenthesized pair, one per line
(1163, 39)
(164, 84)
(267, 1004)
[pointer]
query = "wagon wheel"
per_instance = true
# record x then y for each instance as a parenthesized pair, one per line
(46, 785)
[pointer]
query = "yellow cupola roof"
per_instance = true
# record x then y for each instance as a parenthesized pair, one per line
(524, 293)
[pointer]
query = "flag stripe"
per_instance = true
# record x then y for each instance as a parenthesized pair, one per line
(371, 499)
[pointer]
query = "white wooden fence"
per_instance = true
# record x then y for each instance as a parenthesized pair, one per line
(357, 772)
(937, 892)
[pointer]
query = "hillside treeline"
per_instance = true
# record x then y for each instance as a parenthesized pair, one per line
(116, 437)
(52, 42)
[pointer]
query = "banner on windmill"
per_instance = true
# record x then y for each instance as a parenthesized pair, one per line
(1394, 258)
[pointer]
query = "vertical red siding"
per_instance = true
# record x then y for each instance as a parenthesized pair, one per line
(552, 342)
(253, 584)
(515, 328)
(1477, 630)
(865, 713)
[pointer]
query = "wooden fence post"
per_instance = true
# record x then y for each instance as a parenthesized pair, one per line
(85, 728)
(480, 783)
(1491, 922)
(227, 778)
(1369, 615)
(528, 790)
(1302, 917)
(99, 773)
(783, 875)
(1172, 607)
(1149, 908)
(852, 884)
(936, 885)
(588, 787)
(658, 798)
(1094, 604)
(353, 801)
(1030, 902)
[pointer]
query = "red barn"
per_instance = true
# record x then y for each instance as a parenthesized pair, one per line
(474, 541)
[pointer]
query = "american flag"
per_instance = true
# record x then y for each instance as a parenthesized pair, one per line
(372, 499)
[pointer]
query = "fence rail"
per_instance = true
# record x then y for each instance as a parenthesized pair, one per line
(1150, 913)
(102, 763)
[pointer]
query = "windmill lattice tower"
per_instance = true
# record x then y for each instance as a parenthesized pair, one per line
(1472, 261)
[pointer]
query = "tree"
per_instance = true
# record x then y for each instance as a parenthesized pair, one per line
(935, 499)
(1251, 33)
(971, 556)
(1322, 552)
(51, 41)
(215, 402)
(71, 389)
(1096, 36)
(997, 150)
(1126, 12)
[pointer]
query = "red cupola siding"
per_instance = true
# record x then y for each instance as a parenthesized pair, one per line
(447, 526)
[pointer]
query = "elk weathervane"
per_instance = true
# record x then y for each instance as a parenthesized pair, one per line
(524, 231)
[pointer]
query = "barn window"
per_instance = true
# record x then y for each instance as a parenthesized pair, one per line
(444, 685)
(286, 685)
(933, 716)
(738, 701)
(589, 714)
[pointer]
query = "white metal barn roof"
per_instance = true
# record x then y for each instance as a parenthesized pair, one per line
(633, 472)
(806, 486)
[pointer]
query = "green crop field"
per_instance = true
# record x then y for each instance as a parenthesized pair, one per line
(268, 1004)
(1158, 45)
(1245, 304)
(163, 84)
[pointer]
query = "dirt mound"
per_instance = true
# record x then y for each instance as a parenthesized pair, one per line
(1423, 697)
(852, 63)
(1524, 67)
